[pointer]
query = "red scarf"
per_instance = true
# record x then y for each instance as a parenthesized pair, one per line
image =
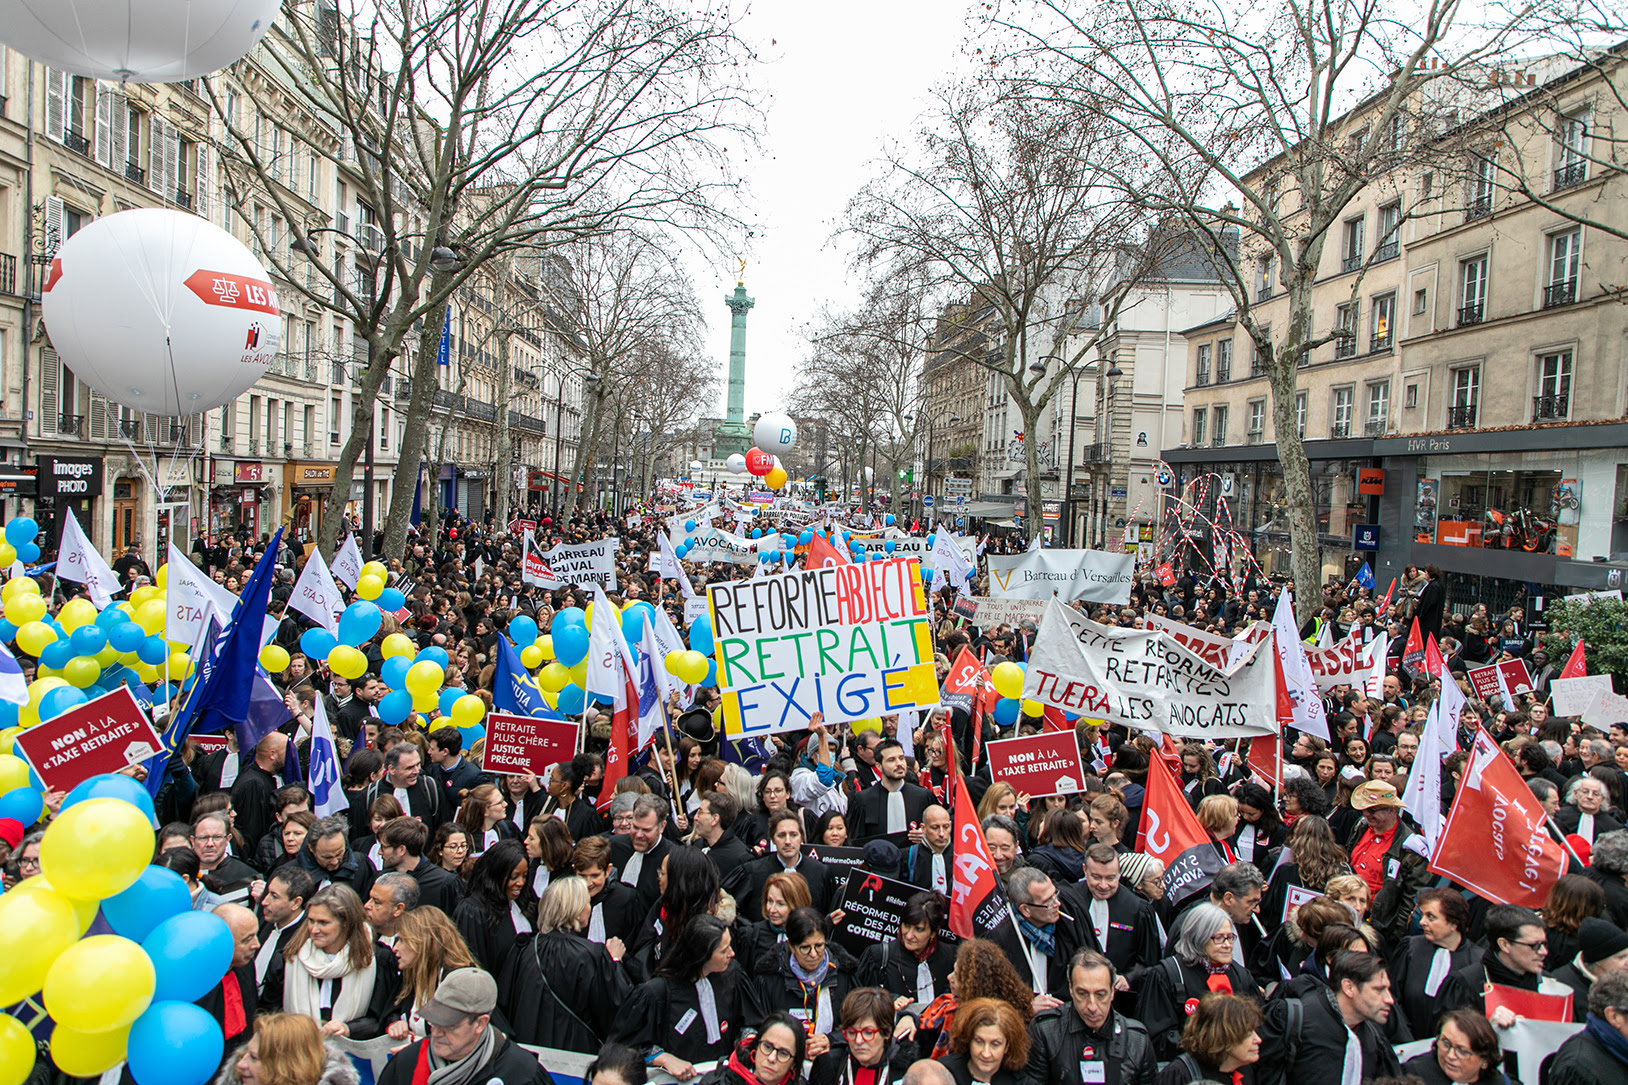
(235, 1020)
(1219, 981)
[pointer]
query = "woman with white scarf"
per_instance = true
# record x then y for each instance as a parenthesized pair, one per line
(333, 970)
(1422, 962)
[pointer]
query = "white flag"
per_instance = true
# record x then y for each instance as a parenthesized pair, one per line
(1309, 715)
(1035, 543)
(316, 595)
(669, 567)
(327, 794)
(606, 646)
(347, 565)
(1422, 796)
(77, 560)
(190, 593)
(948, 557)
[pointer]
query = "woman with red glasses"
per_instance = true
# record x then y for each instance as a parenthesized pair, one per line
(874, 1049)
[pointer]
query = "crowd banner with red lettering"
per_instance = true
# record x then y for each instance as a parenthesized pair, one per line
(1340, 664)
(1212, 648)
(1144, 678)
(851, 641)
(105, 735)
(1484, 681)
(1496, 841)
(521, 744)
(1170, 832)
(1038, 765)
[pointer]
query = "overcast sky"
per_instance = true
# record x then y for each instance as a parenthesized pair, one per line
(839, 80)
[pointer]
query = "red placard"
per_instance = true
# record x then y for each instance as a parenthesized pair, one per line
(518, 526)
(1371, 480)
(517, 744)
(1529, 1004)
(105, 735)
(1036, 765)
(1516, 676)
(1484, 680)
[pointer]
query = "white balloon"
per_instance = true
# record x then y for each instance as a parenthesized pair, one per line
(162, 311)
(140, 41)
(736, 464)
(775, 432)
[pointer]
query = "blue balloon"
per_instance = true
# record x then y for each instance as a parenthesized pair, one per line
(572, 699)
(763, 557)
(930, 539)
(21, 530)
(523, 631)
(890, 546)
(153, 650)
(8, 631)
(570, 644)
(634, 619)
(689, 525)
(56, 654)
(111, 785)
(394, 671)
(28, 553)
(448, 696)
(316, 643)
(395, 707)
(472, 734)
(59, 700)
(438, 656)
(757, 533)
(359, 622)
(712, 673)
(8, 714)
(1006, 711)
(156, 896)
(126, 636)
(568, 616)
(701, 634)
(175, 1043)
(391, 600)
(190, 952)
(111, 617)
(23, 804)
(806, 537)
(87, 640)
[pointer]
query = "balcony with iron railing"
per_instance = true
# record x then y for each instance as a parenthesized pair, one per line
(226, 442)
(1560, 293)
(1255, 436)
(1390, 250)
(1096, 452)
(135, 173)
(1263, 293)
(1339, 431)
(183, 199)
(1479, 207)
(71, 425)
(1571, 174)
(1219, 440)
(1346, 345)
(1350, 262)
(130, 428)
(76, 143)
(254, 446)
(8, 273)
(1202, 377)
(1550, 408)
(1461, 417)
(1375, 427)
(1473, 313)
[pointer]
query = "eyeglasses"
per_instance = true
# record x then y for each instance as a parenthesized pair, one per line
(863, 1035)
(27, 860)
(1043, 905)
(210, 839)
(1541, 943)
(775, 1051)
(810, 950)
(1454, 1049)
(1223, 939)
(455, 846)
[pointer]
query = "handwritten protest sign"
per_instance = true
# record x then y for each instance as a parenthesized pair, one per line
(1608, 708)
(1574, 696)
(1039, 765)
(521, 744)
(1212, 648)
(104, 735)
(986, 611)
(584, 563)
(1145, 679)
(1484, 681)
(851, 641)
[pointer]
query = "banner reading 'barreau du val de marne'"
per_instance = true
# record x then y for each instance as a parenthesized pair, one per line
(1094, 576)
(1144, 678)
(851, 641)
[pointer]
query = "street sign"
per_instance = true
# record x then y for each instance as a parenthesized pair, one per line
(927, 501)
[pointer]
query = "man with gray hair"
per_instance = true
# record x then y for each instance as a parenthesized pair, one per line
(1588, 810)
(638, 853)
(326, 855)
(1030, 941)
(1600, 1052)
(1608, 865)
(393, 895)
(404, 778)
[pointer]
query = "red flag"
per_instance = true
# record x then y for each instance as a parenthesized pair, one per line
(1054, 720)
(1171, 833)
(1266, 751)
(1575, 667)
(977, 898)
(968, 687)
(624, 719)
(1435, 665)
(1496, 841)
(1168, 754)
(1413, 651)
(822, 553)
(1385, 603)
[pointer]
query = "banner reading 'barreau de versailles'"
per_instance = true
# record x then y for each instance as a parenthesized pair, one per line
(1094, 576)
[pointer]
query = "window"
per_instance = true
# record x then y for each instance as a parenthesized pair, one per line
(1396, 134)
(1380, 331)
(1571, 163)
(1390, 222)
(1466, 393)
(1341, 423)
(1263, 278)
(1223, 361)
(1554, 387)
(1421, 301)
(1564, 252)
(1257, 421)
(1412, 396)
(1257, 356)
(1472, 277)
(1379, 408)
(1203, 376)
(1219, 413)
(1300, 413)
(1483, 171)
(1199, 417)
(1427, 184)
(1345, 323)
(1351, 247)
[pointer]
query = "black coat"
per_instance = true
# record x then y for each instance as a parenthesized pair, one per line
(354, 869)
(618, 908)
(1410, 967)
(1133, 933)
(650, 1015)
(1320, 1051)
(836, 1067)
(426, 799)
(1428, 1070)
(490, 938)
(961, 1070)
(893, 968)
(1058, 1040)
(253, 801)
(648, 885)
(437, 886)
(732, 858)
(867, 811)
(386, 983)
(1169, 994)
(757, 876)
(563, 991)
(1582, 1060)
(778, 989)
(510, 1065)
(1616, 894)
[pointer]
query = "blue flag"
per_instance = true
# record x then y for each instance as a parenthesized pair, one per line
(751, 754)
(1365, 577)
(230, 697)
(514, 690)
(179, 724)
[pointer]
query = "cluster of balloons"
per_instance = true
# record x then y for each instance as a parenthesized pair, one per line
(1007, 678)
(765, 466)
(126, 991)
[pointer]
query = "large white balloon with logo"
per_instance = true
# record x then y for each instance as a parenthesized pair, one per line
(138, 41)
(736, 464)
(161, 311)
(775, 433)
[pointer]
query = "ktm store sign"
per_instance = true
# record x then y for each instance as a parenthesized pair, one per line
(1371, 481)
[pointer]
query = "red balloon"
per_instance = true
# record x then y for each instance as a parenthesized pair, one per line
(758, 462)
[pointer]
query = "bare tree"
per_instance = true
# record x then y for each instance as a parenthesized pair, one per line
(475, 129)
(1003, 200)
(1257, 127)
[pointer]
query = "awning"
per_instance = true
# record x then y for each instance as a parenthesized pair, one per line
(982, 508)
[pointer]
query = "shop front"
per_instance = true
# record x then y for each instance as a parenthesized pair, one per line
(306, 486)
(64, 484)
(238, 498)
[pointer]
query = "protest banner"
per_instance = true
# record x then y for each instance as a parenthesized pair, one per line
(1484, 682)
(1144, 679)
(1340, 664)
(533, 569)
(986, 610)
(1212, 648)
(716, 544)
(1533, 1042)
(1608, 708)
(521, 744)
(911, 546)
(871, 907)
(1574, 696)
(839, 860)
(694, 607)
(851, 641)
(1039, 765)
(104, 735)
(1094, 576)
(1534, 1005)
(584, 563)
(517, 527)
(1518, 680)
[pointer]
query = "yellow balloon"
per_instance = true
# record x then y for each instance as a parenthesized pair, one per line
(8, 739)
(859, 727)
(18, 585)
(370, 587)
(13, 773)
(8, 554)
(16, 1051)
(531, 657)
(1007, 679)
(579, 674)
(162, 578)
(24, 608)
(82, 672)
(444, 721)
(96, 848)
(695, 667)
(551, 698)
(85, 909)
(424, 702)
(141, 595)
(274, 657)
(347, 662)
(468, 710)
(546, 644)
(75, 613)
(36, 925)
(144, 671)
(397, 644)
(554, 676)
(179, 665)
(776, 478)
(100, 983)
(376, 568)
(108, 656)
(424, 677)
(88, 1054)
(1032, 707)
(151, 615)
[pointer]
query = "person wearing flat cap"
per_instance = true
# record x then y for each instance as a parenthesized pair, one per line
(1389, 856)
(464, 1047)
(1603, 948)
